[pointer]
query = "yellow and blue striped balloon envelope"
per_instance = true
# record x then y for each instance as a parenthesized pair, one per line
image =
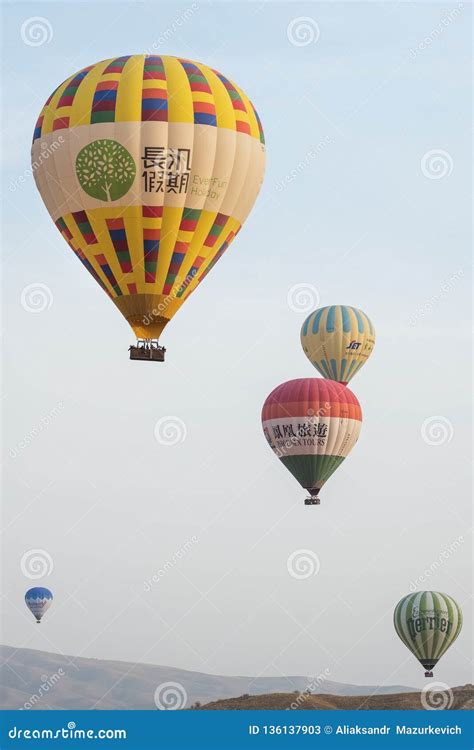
(338, 340)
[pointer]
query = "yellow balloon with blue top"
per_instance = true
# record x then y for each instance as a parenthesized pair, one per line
(338, 340)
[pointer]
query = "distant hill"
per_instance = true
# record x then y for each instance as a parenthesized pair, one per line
(463, 698)
(78, 683)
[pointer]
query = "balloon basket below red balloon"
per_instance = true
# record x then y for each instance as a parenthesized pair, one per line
(147, 350)
(313, 500)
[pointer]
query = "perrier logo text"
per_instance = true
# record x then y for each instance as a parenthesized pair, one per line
(428, 622)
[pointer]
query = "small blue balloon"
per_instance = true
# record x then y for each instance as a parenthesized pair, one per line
(38, 600)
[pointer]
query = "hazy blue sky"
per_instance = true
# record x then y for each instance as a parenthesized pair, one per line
(356, 206)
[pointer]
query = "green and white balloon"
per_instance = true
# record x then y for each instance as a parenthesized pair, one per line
(428, 623)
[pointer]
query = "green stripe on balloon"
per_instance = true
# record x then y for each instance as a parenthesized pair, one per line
(312, 470)
(439, 603)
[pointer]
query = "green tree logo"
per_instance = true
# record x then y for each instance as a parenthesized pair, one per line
(105, 170)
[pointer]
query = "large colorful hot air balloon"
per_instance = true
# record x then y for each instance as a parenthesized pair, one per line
(338, 340)
(428, 623)
(38, 600)
(312, 425)
(148, 165)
